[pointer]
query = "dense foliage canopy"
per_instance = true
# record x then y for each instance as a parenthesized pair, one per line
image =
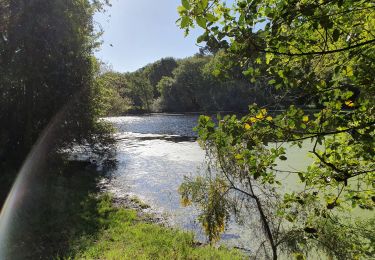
(185, 85)
(318, 53)
(46, 60)
(47, 69)
(305, 67)
(50, 103)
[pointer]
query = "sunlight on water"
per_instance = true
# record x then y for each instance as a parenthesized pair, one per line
(154, 153)
(152, 163)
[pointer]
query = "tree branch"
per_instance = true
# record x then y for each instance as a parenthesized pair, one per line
(313, 52)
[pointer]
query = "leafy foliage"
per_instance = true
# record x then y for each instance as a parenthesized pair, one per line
(187, 85)
(114, 101)
(319, 54)
(46, 66)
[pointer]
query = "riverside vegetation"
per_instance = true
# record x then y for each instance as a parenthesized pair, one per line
(292, 56)
(193, 84)
(318, 53)
(49, 79)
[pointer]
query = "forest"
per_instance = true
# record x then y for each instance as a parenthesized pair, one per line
(272, 80)
(185, 85)
(193, 84)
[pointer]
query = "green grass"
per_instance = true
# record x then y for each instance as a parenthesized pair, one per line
(126, 236)
(65, 216)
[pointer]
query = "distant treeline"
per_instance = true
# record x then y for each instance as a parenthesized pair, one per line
(188, 85)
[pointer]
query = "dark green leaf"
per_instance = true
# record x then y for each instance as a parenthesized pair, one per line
(186, 4)
(201, 21)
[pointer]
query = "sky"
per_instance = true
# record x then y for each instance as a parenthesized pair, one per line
(139, 32)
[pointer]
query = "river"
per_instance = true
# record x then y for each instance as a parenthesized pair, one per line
(154, 153)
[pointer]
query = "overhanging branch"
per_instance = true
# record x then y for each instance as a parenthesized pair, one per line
(314, 52)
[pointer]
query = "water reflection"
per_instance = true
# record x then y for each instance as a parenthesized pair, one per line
(177, 125)
(154, 153)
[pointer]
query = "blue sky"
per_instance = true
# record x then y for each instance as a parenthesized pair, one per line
(143, 31)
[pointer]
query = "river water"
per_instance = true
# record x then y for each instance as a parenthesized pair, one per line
(155, 152)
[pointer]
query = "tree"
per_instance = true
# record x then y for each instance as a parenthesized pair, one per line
(115, 93)
(141, 91)
(193, 87)
(322, 52)
(46, 66)
(155, 71)
(49, 104)
(187, 85)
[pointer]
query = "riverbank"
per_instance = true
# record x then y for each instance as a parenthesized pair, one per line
(154, 154)
(127, 235)
(126, 231)
(71, 217)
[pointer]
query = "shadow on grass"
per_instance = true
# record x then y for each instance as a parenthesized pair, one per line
(60, 207)
(65, 217)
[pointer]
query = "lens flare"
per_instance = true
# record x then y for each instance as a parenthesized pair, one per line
(14, 212)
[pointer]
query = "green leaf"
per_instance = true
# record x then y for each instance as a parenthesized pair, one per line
(248, 72)
(216, 72)
(272, 81)
(283, 158)
(200, 39)
(181, 10)
(349, 71)
(201, 21)
(185, 21)
(204, 3)
(238, 156)
(186, 4)
(269, 57)
(211, 18)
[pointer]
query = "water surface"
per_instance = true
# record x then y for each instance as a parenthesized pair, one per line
(155, 152)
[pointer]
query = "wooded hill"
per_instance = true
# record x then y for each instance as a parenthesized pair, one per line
(193, 84)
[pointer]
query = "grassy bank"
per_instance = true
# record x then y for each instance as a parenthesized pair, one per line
(124, 235)
(121, 233)
(66, 216)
